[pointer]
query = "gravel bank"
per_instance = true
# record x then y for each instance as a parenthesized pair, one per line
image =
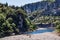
(43, 36)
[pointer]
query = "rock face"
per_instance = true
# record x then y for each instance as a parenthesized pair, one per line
(49, 8)
(58, 3)
(21, 23)
(34, 6)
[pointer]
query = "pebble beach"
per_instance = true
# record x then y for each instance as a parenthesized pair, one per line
(43, 36)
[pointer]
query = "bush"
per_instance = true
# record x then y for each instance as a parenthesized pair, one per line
(58, 28)
(31, 26)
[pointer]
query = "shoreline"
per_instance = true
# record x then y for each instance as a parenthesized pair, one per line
(43, 36)
(39, 36)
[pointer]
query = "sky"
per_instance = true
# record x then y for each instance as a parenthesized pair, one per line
(18, 2)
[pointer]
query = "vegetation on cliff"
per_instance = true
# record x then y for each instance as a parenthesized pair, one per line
(13, 20)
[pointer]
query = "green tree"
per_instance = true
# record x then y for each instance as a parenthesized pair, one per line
(30, 26)
(6, 4)
(2, 19)
(58, 26)
(10, 20)
(7, 28)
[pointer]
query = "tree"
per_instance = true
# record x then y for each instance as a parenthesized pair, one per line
(2, 19)
(6, 4)
(30, 26)
(10, 20)
(58, 27)
(21, 12)
(7, 28)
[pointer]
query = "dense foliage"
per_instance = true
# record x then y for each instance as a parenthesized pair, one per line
(13, 20)
(58, 26)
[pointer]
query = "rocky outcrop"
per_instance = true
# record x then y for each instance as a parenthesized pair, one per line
(53, 8)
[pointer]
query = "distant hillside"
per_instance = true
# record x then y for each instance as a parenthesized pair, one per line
(43, 11)
(53, 8)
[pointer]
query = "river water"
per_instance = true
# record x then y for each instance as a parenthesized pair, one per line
(41, 30)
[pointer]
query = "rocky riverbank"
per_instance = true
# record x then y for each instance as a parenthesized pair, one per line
(43, 36)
